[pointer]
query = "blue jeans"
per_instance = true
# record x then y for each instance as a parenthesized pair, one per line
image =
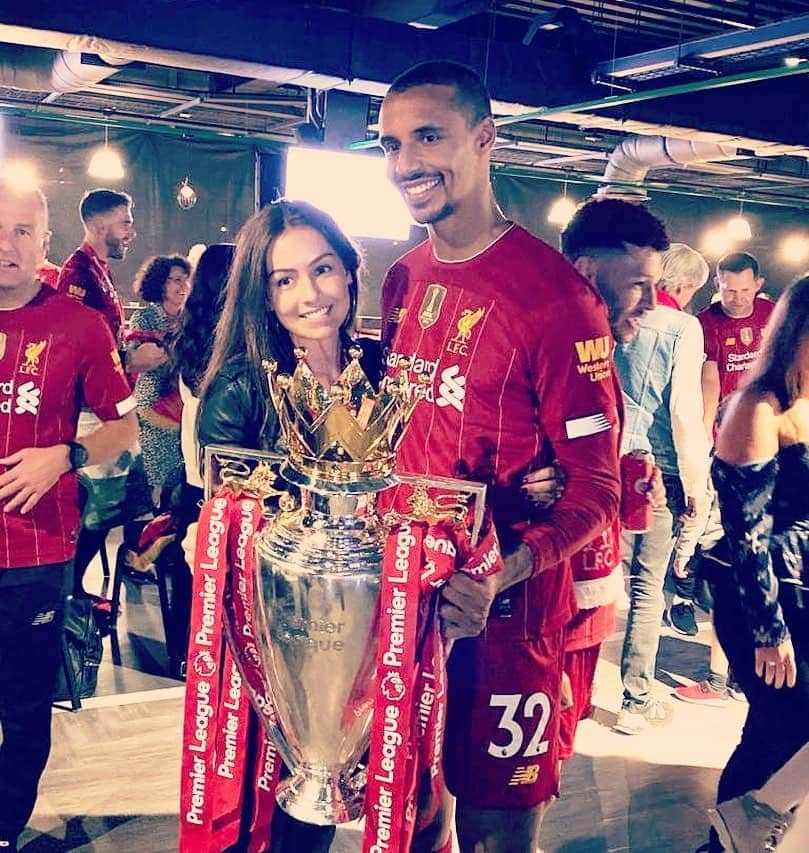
(646, 558)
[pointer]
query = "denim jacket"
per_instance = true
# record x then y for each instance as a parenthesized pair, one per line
(661, 371)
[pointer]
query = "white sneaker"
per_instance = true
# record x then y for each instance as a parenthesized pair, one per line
(637, 719)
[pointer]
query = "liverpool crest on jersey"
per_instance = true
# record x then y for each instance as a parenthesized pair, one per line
(431, 305)
(3, 339)
(746, 334)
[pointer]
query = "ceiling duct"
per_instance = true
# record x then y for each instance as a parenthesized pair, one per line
(634, 157)
(73, 71)
(32, 70)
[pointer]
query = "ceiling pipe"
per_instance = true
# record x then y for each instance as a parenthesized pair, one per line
(72, 73)
(66, 71)
(630, 161)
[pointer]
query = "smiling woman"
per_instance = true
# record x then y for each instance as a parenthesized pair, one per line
(293, 283)
(163, 282)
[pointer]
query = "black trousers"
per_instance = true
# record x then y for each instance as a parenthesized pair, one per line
(32, 607)
(777, 723)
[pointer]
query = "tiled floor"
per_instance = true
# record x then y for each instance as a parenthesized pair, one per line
(112, 781)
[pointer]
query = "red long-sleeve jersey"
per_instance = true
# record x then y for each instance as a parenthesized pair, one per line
(517, 348)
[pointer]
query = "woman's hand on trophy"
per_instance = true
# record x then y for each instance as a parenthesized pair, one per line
(544, 486)
(189, 544)
(467, 599)
(465, 605)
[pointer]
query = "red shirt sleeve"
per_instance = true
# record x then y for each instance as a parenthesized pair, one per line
(579, 400)
(104, 387)
(709, 332)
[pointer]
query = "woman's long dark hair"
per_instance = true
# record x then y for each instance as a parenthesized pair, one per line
(248, 328)
(193, 347)
(775, 369)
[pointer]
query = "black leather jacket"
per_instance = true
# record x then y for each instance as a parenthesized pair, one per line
(233, 411)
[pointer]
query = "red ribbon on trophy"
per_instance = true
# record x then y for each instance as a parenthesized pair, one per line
(204, 680)
(220, 734)
(224, 797)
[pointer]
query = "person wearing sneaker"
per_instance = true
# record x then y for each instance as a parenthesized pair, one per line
(769, 817)
(658, 357)
(55, 356)
(760, 471)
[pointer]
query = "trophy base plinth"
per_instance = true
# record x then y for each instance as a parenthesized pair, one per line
(321, 797)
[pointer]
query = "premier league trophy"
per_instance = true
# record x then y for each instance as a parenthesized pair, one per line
(317, 574)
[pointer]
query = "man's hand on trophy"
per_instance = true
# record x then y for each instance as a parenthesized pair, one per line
(189, 544)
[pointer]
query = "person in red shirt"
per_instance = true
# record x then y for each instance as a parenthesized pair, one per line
(732, 327)
(478, 308)
(108, 230)
(55, 356)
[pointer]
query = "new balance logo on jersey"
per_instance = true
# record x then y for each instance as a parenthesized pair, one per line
(27, 399)
(452, 389)
(526, 774)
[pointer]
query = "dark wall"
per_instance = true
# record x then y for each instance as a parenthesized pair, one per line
(222, 174)
(687, 219)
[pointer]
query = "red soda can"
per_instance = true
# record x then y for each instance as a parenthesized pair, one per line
(637, 469)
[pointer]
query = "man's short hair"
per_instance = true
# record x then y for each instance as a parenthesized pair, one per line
(471, 96)
(683, 267)
(607, 225)
(737, 262)
(101, 201)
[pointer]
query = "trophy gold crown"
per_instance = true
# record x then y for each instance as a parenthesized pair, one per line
(341, 438)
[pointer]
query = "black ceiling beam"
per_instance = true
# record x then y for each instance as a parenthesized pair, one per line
(337, 44)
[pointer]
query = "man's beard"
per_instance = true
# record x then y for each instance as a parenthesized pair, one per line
(116, 249)
(431, 218)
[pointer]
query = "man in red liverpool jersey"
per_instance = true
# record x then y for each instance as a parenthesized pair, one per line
(517, 347)
(109, 229)
(55, 356)
(732, 327)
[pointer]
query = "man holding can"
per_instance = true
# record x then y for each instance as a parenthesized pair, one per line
(618, 246)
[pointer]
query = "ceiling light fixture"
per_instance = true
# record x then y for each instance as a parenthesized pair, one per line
(716, 242)
(21, 176)
(737, 227)
(186, 194)
(794, 249)
(562, 210)
(106, 162)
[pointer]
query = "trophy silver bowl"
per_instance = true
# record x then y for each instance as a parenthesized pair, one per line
(317, 577)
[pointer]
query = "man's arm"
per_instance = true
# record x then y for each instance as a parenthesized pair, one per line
(710, 394)
(33, 471)
(579, 414)
(686, 411)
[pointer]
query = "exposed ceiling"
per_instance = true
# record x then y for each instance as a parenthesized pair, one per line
(571, 81)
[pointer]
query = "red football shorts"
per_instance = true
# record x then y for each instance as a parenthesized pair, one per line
(580, 667)
(502, 737)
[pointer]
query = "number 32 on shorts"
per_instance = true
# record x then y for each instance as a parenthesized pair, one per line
(535, 710)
